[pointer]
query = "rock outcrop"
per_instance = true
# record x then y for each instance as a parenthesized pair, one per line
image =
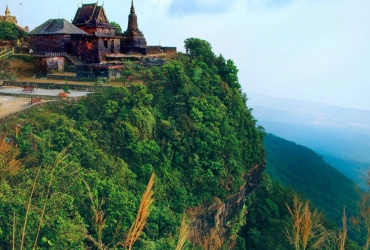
(212, 220)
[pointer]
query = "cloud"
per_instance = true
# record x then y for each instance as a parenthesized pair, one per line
(189, 7)
(277, 3)
(263, 4)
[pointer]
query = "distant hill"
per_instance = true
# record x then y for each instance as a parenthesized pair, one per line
(355, 170)
(312, 114)
(336, 132)
(306, 172)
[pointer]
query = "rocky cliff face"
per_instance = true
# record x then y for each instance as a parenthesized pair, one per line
(212, 221)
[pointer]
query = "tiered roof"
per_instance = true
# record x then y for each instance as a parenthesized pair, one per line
(91, 15)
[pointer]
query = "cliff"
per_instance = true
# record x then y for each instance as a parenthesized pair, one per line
(214, 218)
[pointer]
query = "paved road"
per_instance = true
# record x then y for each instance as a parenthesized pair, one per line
(10, 104)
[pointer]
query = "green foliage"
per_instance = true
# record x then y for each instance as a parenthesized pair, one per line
(7, 76)
(65, 88)
(9, 31)
(306, 172)
(25, 58)
(268, 219)
(119, 29)
(188, 124)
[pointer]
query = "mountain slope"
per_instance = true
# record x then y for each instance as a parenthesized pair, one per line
(355, 170)
(333, 131)
(306, 172)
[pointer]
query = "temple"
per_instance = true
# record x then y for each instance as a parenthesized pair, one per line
(8, 18)
(90, 43)
(101, 40)
(11, 19)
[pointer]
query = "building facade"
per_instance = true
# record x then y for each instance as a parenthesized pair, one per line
(101, 39)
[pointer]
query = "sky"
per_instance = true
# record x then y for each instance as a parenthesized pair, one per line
(316, 50)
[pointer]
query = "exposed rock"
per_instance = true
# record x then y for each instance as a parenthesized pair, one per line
(208, 219)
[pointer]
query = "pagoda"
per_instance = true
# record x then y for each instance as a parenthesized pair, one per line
(133, 39)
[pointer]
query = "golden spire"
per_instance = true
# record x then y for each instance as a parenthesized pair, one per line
(7, 12)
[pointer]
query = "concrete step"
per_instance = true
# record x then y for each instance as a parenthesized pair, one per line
(74, 60)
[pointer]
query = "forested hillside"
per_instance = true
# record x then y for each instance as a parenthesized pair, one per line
(269, 221)
(73, 174)
(355, 170)
(307, 173)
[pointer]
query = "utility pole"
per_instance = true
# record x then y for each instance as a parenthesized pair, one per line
(21, 15)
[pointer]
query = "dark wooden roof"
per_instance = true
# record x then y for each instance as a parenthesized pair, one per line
(57, 27)
(91, 15)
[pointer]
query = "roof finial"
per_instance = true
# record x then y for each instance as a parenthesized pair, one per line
(7, 12)
(132, 7)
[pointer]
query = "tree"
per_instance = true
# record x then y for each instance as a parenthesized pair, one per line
(9, 31)
(200, 49)
(119, 29)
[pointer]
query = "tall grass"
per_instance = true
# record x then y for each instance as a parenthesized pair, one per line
(142, 215)
(307, 227)
(99, 220)
(137, 226)
(363, 219)
(61, 157)
(343, 233)
(29, 207)
(183, 235)
(365, 211)
(8, 158)
(13, 239)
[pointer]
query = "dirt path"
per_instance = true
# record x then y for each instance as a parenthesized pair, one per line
(9, 105)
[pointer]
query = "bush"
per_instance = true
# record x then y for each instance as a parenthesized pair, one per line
(24, 58)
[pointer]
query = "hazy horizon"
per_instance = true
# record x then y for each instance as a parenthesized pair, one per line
(299, 49)
(251, 94)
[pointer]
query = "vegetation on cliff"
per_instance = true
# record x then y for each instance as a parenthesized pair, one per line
(84, 166)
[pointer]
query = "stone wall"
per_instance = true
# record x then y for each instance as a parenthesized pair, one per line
(153, 50)
(49, 43)
(86, 48)
(133, 44)
(169, 50)
(92, 49)
(93, 71)
(46, 64)
(108, 46)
